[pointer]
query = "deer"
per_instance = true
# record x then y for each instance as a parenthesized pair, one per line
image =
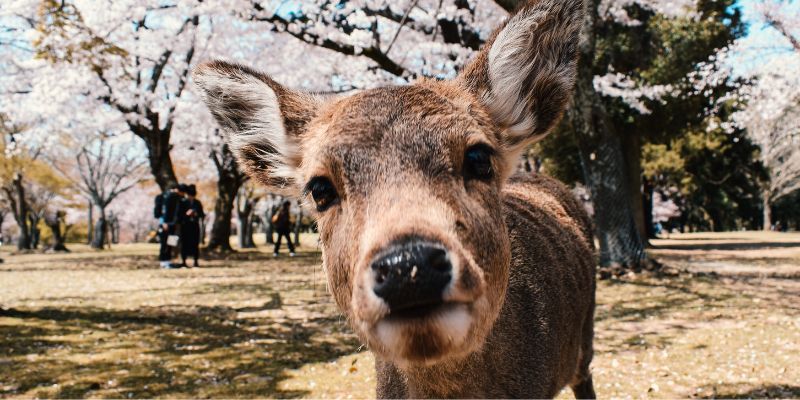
(462, 277)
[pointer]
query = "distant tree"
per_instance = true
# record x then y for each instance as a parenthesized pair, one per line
(636, 87)
(28, 185)
(783, 16)
(713, 176)
(139, 65)
(246, 201)
(229, 180)
(104, 171)
(56, 222)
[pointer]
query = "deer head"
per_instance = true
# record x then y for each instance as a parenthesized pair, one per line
(406, 180)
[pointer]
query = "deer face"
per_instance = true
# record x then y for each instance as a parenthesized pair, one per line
(406, 180)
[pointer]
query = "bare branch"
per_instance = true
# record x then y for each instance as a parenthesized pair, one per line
(781, 27)
(400, 28)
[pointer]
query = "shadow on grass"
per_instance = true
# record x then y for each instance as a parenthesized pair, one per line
(742, 391)
(161, 351)
(100, 260)
(681, 294)
(689, 245)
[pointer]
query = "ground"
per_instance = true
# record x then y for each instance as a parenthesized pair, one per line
(110, 324)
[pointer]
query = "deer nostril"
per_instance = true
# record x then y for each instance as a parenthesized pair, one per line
(414, 275)
(439, 261)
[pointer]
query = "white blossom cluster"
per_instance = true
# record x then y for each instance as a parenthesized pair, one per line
(616, 9)
(631, 92)
(127, 63)
(767, 93)
(771, 117)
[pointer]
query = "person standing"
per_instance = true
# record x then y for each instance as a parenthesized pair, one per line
(166, 210)
(282, 223)
(191, 215)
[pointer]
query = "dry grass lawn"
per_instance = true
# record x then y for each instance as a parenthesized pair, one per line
(110, 324)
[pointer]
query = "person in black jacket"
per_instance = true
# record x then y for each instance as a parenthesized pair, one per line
(190, 214)
(281, 222)
(166, 210)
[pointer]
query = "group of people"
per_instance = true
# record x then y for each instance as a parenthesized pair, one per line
(179, 215)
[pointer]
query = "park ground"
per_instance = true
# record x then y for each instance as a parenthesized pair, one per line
(110, 324)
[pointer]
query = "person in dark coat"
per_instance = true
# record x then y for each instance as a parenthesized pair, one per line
(166, 210)
(282, 223)
(190, 214)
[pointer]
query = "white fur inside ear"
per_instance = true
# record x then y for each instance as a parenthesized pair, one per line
(250, 109)
(524, 56)
(509, 66)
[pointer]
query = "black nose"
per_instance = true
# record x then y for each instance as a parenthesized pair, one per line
(412, 276)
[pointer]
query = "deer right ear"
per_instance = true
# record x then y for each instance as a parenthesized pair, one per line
(263, 120)
(526, 71)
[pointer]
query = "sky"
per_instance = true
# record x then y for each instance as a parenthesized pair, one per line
(762, 43)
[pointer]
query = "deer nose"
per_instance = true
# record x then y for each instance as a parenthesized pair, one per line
(412, 276)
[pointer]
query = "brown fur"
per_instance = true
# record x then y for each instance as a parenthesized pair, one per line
(517, 317)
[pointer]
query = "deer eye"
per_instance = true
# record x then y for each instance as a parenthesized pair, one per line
(478, 162)
(323, 192)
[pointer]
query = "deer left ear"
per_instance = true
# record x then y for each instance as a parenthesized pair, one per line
(525, 73)
(263, 119)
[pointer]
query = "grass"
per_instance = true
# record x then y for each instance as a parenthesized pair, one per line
(110, 324)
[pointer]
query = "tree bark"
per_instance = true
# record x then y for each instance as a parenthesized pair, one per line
(244, 215)
(113, 226)
(35, 232)
(229, 180)
(269, 229)
(90, 226)
(100, 231)
(2, 220)
(161, 166)
(20, 210)
(632, 148)
(603, 160)
(647, 199)
(54, 223)
(298, 223)
(767, 225)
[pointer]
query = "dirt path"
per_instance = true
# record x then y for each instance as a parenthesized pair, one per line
(110, 325)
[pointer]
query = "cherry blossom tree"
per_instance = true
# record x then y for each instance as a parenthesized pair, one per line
(104, 171)
(246, 203)
(769, 101)
(771, 117)
(70, 67)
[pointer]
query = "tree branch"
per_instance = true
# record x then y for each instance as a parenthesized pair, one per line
(781, 27)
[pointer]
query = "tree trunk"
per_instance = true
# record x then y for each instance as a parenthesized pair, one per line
(223, 211)
(19, 207)
(269, 227)
(244, 232)
(160, 161)
(157, 142)
(54, 223)
(113, 225)
(603, 160)
(229, 180)
(100, 231)
(298, 223)
(35, 232)
(2, 220)
(647, 200)
(767, 225)
(90, 226)
(632, 148)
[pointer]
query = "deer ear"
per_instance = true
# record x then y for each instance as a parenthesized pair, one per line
(526, 71)
(263, 120)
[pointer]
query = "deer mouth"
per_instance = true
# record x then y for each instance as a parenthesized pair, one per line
(423, 334)
(420, 311)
